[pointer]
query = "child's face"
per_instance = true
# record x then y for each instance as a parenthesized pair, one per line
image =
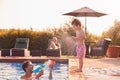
(54, 39)
(76, 27)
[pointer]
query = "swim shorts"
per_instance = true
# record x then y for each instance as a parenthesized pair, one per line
(81, 50)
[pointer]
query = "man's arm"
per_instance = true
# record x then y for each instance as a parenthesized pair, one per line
(50, 73)
(39, 74)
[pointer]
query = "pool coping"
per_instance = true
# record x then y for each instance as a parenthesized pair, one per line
(33, 59)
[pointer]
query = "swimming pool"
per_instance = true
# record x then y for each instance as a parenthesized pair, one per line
(13, 71)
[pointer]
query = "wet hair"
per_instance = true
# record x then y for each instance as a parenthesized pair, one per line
(76, 22)
(25, 64)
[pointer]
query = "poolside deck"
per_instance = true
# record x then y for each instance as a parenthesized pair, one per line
(95, 69)
(89, 64)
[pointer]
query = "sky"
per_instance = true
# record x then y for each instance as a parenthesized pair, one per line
(43, 14)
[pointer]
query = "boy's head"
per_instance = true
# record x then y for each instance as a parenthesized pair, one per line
(76, 22)
(55, 39)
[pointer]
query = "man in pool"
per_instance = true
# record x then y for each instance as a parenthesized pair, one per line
(28, 67)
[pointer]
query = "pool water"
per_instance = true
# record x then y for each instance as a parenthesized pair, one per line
(13, 71)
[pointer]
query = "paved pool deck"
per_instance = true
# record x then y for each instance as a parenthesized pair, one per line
(93, 69)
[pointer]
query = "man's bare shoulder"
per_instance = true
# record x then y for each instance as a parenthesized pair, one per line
(26, 78)
(22, 77)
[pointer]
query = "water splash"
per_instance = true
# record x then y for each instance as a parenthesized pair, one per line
(69, 43)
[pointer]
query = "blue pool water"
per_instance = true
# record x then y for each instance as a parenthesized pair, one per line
(13, 71)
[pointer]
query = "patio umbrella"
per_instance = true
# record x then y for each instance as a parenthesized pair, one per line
(85, 12)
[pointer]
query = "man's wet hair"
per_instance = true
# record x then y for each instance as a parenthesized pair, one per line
(25, 64)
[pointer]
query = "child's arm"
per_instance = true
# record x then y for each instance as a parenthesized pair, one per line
(78, 38)
(58, 45)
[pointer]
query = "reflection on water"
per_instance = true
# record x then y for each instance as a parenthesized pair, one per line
(13, 71)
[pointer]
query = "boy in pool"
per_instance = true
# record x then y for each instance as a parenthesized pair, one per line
(28, 67)
(80, 40)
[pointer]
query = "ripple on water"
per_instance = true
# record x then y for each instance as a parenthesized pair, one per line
(13, 71)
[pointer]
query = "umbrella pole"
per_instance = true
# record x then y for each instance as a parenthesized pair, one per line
(85, 26)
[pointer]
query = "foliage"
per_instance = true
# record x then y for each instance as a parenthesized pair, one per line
(113, 33)
(39, 39)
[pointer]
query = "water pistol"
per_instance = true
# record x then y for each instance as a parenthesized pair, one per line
(45, 65)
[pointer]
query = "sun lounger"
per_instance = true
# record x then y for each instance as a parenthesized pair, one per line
(21, 47)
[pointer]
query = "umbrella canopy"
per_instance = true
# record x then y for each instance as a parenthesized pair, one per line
(85, 12)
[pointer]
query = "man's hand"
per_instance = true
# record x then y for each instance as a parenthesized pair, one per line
(40, 74)
(52, 64)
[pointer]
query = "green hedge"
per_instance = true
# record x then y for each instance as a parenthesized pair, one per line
(38, 40)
